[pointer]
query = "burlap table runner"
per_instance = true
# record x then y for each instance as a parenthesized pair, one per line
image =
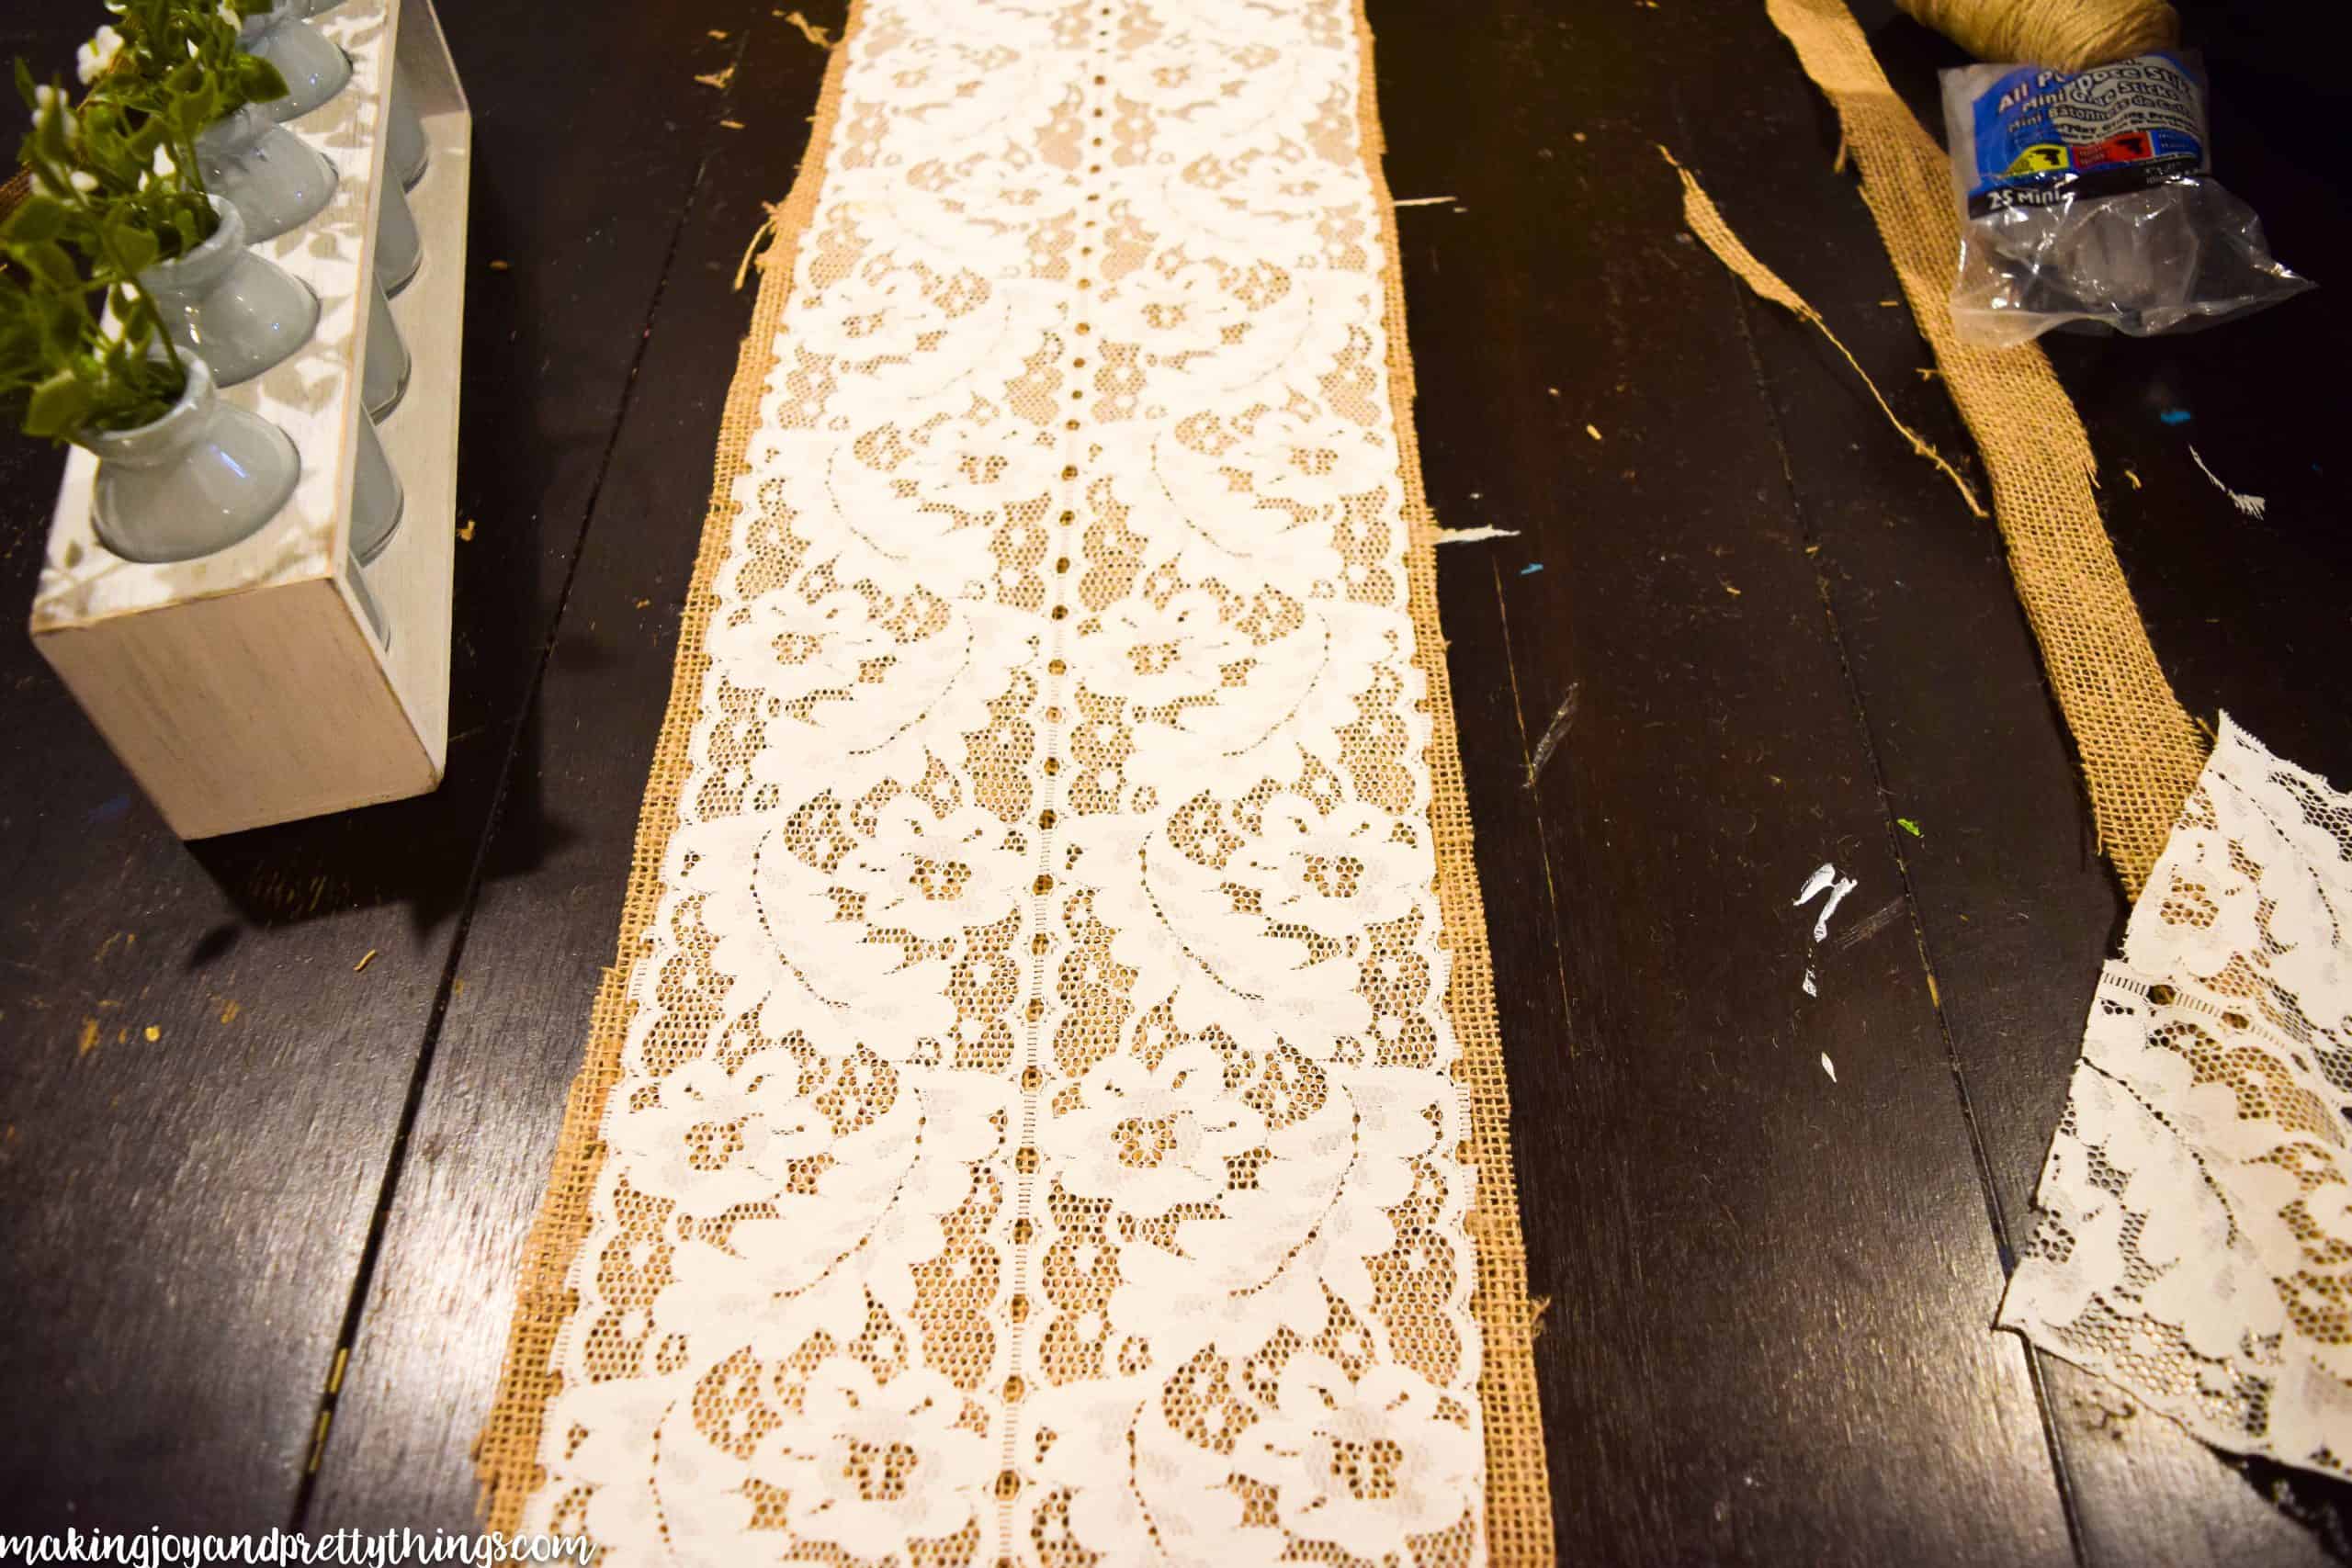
(1322, 1437)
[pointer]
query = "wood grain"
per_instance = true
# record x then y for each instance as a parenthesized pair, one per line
(186, 1216)
(2010, 901)
(1769, 1286)
(1771, 631)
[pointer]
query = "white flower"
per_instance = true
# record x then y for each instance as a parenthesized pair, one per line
(931, 875)
(718, 1138)
(228, 14)
(111, 328)
(1184, 935)
(848, 936)
(870, 680)
(94, 59)
(878, 311)
(928, 498)
(871, 1466)
(83, 181)
(1151, 654)
(1182, 310)
(1362, 1465)
(1166, 1502)
(804, 651)
(47, 102)
(1308, 462)
(1329, 873)
(1296, 188)
(1273, 1254)
(975, 468)
(1149, 1140)
(163, 165)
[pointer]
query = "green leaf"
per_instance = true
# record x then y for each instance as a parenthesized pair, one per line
(1909, 827)
(48, 262)
(260, 80)
(64, 323)
(58, 406)
(135, 249)
(38, 218)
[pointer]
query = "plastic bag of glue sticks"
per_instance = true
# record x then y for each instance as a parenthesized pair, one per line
(2088, 200)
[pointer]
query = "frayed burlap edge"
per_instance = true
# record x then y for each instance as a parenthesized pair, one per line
(1519, 1488)
(2141, 752)
(1519, 1501)
(506, 1453)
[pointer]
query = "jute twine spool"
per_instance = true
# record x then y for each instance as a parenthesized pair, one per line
(2068, 34)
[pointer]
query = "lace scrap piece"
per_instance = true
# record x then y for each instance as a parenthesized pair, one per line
(1040, 1133)
(2194, 1241)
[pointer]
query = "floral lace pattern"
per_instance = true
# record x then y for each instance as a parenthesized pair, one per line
(1036, 1138)
(2194, 1241)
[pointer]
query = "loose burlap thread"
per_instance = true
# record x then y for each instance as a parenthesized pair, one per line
(1518, 1504)
(2141, 752)
(1706, 220)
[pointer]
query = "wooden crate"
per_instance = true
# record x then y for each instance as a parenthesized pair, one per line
(279, 679)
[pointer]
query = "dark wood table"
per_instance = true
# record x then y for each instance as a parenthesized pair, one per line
(263, 1208)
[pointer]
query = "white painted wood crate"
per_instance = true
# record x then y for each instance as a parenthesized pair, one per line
(277, 679)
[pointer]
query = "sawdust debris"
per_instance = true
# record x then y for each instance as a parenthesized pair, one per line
(822, 38)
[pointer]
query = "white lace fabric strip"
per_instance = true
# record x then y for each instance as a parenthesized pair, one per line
(2194, 1238)
(1036, 1138)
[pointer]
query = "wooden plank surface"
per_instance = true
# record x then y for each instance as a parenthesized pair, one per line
(2007, 894)
(186, 1214)
(1774, 632)
(1765, 1341)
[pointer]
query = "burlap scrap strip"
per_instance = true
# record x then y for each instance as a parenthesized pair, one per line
(1519, 1502)
(2141, 752)
(1707, 221)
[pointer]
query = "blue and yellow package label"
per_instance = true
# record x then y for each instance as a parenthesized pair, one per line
(2044, 137)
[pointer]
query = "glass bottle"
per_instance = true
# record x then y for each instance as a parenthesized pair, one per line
(315, 68)
(400, 249)
(384, 378)
(240, 312)
(204, 475)
(269, 174)
(376, 498)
